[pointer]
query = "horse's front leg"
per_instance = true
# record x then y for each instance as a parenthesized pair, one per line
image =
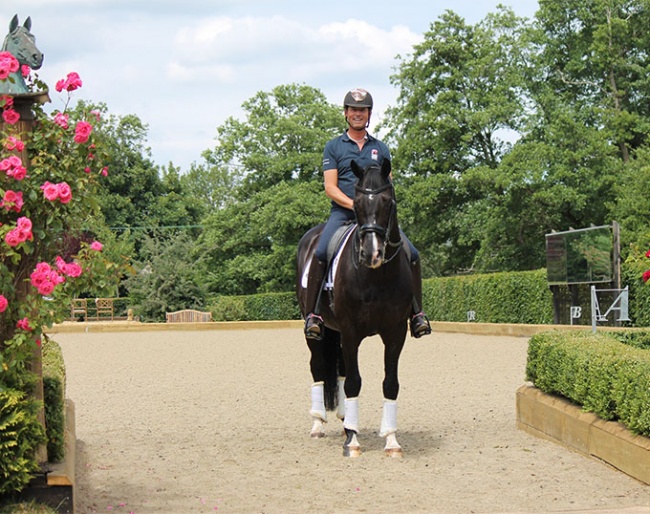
(392, 349)
(352, 388)
(318, 367)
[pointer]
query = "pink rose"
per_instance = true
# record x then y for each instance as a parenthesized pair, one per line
(8, 64)
(46, 288)
(60, 84)
(25, 70)
(73, 81)
(70, 269)
(87, 169)
(82, 132)
(104, 171)
(12, 238)
(24, 223)
(19, 173)
(3, 303)
(73, 270)
(45, 279)
(10, 116)
(23, 324)
(61, 120)
(14, 144)
(97, 246)
(12, 201)
(6, 101)
(65, 193)
(50, 191)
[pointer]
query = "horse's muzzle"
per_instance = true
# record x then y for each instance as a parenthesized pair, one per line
(371, 250)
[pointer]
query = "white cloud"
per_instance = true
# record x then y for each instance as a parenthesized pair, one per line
(184, 67)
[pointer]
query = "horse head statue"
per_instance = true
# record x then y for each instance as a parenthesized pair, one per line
(22, 45)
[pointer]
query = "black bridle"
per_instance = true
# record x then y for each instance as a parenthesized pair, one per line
(382, 232)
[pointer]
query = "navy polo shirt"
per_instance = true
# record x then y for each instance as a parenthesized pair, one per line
(339, 153)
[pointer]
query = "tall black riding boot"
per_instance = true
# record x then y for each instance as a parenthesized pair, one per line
(314, 326)
(420, 325)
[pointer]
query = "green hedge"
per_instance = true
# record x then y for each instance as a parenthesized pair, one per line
(516, 297)
(257, 307)
(54, 399)
(596, 371)
(512, 297)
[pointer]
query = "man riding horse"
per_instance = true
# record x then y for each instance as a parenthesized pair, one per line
(354, 144)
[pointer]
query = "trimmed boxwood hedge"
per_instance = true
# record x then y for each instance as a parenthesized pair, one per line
(54, 399)
(512, 297)
(607, 373)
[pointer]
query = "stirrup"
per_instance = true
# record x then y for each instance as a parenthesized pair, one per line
(420, 325)
(314, 327)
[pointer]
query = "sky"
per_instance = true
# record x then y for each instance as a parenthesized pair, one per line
(185, 67)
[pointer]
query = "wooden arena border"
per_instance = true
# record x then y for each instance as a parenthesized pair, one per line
(555, 419)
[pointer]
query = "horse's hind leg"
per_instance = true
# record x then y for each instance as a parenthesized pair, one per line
(324, 366)
(317, 412)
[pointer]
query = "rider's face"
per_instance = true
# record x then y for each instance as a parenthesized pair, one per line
(357, 117)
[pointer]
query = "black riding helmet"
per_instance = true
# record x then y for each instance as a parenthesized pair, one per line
(358, 98)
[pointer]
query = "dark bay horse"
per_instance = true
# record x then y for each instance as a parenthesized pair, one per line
(372, 294)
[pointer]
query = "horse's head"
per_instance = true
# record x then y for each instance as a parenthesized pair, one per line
(374, 207)
(22, 44)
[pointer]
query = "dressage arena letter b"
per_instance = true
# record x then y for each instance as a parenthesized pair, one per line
(576, 312)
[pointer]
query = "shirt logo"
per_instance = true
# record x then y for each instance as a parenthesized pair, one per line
(374, 155)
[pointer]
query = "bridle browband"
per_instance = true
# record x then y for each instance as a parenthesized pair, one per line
(378, 229)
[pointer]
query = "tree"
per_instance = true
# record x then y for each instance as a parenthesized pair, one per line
(165, 279)
(460, 92)
(461, 97)
(281, 138)
(594, 58)
(250, 246)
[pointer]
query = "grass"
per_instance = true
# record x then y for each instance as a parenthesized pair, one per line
(18, 507)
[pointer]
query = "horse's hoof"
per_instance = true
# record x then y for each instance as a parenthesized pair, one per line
(351, 451)
(394, 453)
(317, 435)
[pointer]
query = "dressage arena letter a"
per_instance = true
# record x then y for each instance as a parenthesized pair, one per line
(620, 305)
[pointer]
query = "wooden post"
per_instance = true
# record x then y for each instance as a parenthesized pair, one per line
(23, 105)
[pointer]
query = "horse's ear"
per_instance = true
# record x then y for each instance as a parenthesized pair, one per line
(28, 24)
(356, 169)
(385, 168)
(13, 25)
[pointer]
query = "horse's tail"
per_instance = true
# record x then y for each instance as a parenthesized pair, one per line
(333, 367)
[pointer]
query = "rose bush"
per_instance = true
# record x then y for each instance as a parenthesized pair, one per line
(49, 175)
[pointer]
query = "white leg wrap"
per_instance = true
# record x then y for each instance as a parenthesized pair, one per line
(388, 418)
(318, 402)
(351, 421)
(340, 411)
